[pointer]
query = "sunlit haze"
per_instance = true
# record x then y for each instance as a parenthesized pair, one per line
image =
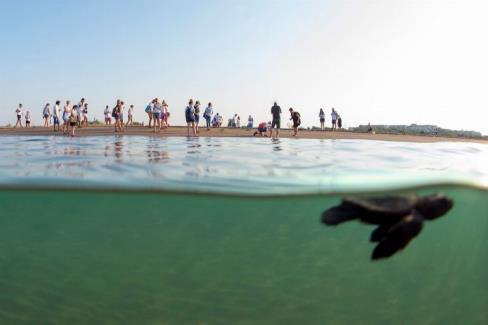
(384, 62)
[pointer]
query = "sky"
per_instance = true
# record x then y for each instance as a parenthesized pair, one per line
(383, 61)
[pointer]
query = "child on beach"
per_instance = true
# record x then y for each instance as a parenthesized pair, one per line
(190, 118)
(56, 115)
(322, 119)
(208, 115)
(27, 119)
(73, 120)
(108, 117)
(262, 129)
(46, 114)
(66, 115)
(238, 123)
(18, 111)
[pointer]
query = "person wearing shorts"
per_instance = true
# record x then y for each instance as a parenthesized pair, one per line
(27, 119)
(46, 114)
(322, 119)
(73, 120)
(108, 118)
(18, 111)
(295, 117)
(190, 118)
(334, 119)
(66, 115)
(262, 129)
(157, 112)
(56, 114)
(276, 121)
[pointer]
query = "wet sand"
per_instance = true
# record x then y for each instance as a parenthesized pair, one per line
(178, 131)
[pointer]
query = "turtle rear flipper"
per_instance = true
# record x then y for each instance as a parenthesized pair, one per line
(341, 213)
(398, 237)
(379, 233)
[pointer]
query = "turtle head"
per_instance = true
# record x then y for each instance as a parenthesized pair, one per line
(434, 206)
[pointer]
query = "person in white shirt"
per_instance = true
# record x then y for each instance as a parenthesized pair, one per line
(79, 110)
(334, 118)
(129, 116)
(27, 119)
(56, 115)
(234, 121)
(18, 111)
(108, 115)
(66, 115)
(84, 118)
(165, 117)
(208, 115)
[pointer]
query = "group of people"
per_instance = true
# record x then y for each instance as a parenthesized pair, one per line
(336, 119)
(70, 117)
(158, 116)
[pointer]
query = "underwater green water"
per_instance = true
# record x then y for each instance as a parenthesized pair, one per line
(85, 257)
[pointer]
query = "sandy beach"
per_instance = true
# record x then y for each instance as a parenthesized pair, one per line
(178, 131)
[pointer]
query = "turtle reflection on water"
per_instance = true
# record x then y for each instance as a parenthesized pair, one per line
(399, 218)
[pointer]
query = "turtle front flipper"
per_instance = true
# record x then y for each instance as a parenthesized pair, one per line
(341, 213)
(398, 236)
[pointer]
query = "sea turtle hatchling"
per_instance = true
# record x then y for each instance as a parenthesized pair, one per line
(399, 218)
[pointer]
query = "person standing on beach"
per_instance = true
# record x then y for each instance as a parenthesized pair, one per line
(18, 111)
(149, 111)
(250, 122)
(46, 114)
(190, 118)
(165, 114)
(79, 111)
(121, 116)
(334, 119)
(56, 114)
(276, 122)
(108, 118)
(27, 119)
(66, 115)
(196, 110)
(84, 119)
(322, 119)
(73, 120)
(117, 113)
(295, 117)
(208, 115)
(130, 112)
(157, 111)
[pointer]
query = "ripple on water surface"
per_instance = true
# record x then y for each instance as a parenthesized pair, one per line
(236, 165)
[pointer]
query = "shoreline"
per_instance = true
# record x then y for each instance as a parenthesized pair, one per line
(181, 131)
